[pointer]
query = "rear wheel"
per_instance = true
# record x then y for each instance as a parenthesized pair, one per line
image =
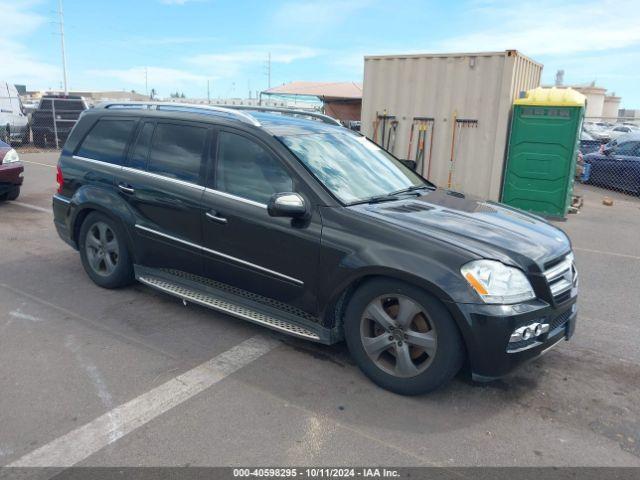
(104, 253)
(401, 337)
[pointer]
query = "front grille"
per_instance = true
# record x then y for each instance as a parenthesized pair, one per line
(561, 277)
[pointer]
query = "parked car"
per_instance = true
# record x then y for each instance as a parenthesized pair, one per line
(67, 110)
(14, 122)
(11, 172)
(617, 165)
(309, 228)
(620, 130)
(588, 143)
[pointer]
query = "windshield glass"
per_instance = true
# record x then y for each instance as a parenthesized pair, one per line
(353, 168)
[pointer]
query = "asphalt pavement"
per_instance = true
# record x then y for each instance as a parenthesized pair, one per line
(132, 377)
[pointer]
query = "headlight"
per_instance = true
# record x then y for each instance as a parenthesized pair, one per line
(496, 282)
(10, 157)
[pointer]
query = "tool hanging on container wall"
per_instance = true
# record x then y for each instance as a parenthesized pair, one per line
(458, 125)
(391, 137)
(381, 120)
(424, 125)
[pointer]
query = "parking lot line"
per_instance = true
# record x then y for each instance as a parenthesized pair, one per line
(590, 250)
(84, 441)
(38, 163)
(32, 207)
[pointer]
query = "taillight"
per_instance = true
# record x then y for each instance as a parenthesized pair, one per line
(59, 179)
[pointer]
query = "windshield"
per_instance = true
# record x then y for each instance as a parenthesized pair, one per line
(353, 168)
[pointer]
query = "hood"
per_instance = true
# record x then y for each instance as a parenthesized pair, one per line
(488, 229)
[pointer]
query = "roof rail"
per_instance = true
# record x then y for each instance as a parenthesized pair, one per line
(289, 111)
(182, 107)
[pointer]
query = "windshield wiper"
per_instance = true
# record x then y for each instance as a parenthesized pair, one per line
(376, 199)
(412, 188)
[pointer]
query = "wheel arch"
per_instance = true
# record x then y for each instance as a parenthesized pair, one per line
(333, 314)
(105, 203)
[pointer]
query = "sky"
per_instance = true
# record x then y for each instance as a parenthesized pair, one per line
(182, 44)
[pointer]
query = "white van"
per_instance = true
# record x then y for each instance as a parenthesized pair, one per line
(14, 123)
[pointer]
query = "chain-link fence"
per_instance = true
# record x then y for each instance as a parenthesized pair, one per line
(610, 154)
(51, 123)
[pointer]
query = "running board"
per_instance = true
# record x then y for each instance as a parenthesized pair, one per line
(194, 289)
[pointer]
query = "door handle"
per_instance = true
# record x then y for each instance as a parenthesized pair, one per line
(126, 188)
(214, 217)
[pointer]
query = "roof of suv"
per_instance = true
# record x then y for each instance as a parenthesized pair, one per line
(275, 121)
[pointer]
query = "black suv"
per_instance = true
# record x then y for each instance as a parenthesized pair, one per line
(288, 220)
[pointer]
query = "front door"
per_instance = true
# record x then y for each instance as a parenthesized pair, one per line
(163, 184)
(247, 248)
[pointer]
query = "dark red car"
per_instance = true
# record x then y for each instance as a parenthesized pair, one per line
(11, 171)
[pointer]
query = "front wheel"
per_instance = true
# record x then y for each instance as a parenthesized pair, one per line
(13, 194)
(401, 337)
(104, 253)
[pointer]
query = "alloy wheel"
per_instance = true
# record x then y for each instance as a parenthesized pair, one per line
(102, 249)
(398, 336)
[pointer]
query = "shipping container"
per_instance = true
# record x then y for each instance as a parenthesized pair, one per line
(469, 96)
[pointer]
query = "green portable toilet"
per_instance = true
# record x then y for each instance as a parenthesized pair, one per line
(541, 159)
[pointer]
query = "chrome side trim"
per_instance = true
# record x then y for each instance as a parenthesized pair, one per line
(222, 255)
(162, 177)
(60, 198)
(234, 197)
(98, 162)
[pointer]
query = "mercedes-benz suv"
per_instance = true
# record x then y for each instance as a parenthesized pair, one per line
(288, 220)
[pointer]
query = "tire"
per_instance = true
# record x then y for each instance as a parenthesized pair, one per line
(104, 252)
(402, 366)
(13, 194)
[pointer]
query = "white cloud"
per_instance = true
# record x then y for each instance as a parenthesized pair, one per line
(231, 63)
(313, 17)
(174, 2)
(549, 27)
(18, 64)
(162, 79)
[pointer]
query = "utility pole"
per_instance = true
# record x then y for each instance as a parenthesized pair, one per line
(269, 70)
(146, 81)
(208, 93)
(64, 55)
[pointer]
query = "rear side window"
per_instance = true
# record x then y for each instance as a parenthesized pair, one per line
(177, 151)
(627, 148)
(140, 150)
(107, 140)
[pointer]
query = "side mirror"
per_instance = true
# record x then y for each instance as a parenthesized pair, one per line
(287, 204)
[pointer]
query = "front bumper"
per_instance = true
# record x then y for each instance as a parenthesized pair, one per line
(10, 176)
(488, 329)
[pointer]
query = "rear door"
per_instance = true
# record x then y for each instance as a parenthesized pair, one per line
(163, 184)
(247, 248)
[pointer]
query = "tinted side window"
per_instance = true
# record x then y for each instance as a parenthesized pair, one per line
(107, 140)
(246, 169)
(140, 151)
(626, 148)
(176, 151)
